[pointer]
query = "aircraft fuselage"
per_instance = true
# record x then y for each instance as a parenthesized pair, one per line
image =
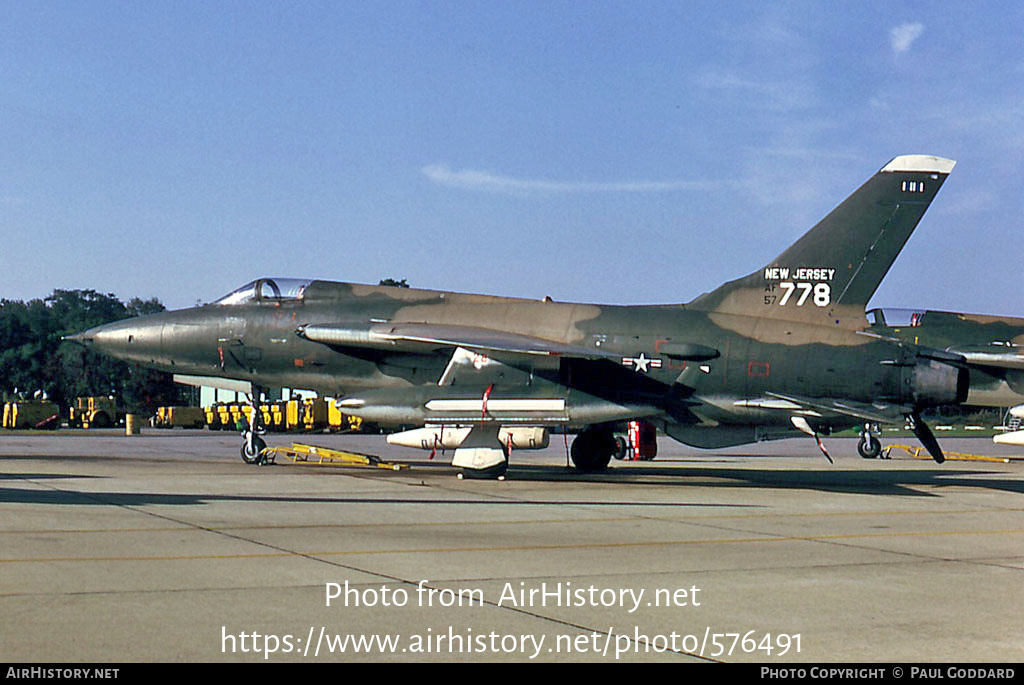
(258, 342)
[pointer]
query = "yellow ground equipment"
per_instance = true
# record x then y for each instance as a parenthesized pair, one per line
(339, 422)
(94, 412)
(314, 414)
(179, 417)
(317, 414)
(325, 456)
(238, 416)
(275, 415)
(224, 416)
(922, 453)
(215, 417)
(298, 415)
(293, 415)
(31, 414)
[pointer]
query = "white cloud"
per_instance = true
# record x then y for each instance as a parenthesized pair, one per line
(903, 36)
(472, 179)
(786, 95)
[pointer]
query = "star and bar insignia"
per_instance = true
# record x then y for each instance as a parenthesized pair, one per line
(642, 363)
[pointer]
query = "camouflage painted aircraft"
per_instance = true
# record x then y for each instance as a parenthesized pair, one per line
(992, 347)
(786, 349)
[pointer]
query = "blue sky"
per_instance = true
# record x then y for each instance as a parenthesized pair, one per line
(621, 152)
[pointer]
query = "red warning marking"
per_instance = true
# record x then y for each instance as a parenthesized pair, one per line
(759, 369)
(487, 395)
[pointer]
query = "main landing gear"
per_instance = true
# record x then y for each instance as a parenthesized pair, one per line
(593, 449)
(869, 446)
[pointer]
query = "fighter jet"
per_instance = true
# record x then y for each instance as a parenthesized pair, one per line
(991, 347)
(784, 350)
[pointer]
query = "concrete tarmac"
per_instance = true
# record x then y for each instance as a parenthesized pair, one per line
(166, 547)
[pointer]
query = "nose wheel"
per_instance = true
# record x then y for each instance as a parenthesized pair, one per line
(252, 448)
(869, 446)
(252, 444)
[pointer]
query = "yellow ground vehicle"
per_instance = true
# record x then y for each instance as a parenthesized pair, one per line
(94, 412)
(31, 414)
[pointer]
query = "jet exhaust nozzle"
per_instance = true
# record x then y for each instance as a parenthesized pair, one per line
(934, 383)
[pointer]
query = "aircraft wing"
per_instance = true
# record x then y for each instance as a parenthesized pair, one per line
(858, 410)
(406, 335)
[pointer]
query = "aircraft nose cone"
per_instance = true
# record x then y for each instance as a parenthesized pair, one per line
(81, 338)
(111, 337)
(103, 337)
(133, 339)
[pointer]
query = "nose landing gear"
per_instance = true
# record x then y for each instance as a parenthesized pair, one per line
(869, 446)
(252, 447)
(252, 444)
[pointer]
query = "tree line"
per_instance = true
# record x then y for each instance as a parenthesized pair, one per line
(33, 356)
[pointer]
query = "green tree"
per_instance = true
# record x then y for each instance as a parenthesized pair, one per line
(33, 355)
(27, 338)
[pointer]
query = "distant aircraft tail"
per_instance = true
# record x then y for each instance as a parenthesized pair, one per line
(833, 270)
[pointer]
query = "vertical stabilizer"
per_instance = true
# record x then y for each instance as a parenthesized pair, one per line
(830, 273)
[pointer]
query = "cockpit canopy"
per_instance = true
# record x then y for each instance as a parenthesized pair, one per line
(266, 289)
(896, 318)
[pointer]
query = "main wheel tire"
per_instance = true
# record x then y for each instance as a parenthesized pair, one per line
(592, 450)
(250, 457)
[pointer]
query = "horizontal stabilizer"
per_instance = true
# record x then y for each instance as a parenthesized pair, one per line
(999, 361)
(858, 410)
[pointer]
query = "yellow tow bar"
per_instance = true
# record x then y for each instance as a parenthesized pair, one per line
(922, 453)
(325, 456)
